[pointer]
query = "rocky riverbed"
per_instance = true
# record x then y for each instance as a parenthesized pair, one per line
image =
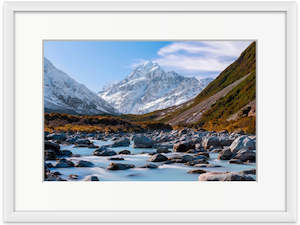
(176, 155)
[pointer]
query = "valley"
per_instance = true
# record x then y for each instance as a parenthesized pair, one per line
(153, 125)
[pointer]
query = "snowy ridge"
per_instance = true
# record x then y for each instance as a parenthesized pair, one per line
(149, 88)
(65, 95)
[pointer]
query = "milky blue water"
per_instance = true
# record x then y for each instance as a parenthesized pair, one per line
(139, 157)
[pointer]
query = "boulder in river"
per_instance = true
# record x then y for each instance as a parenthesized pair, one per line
(106, 152)
(119, 166)
(196, 162)
(197, 171)
(64, 163)
(225, 141)
(224, 176)
(187, 158)
(48, 165)
(83, 142)
(245, 155)
(150, 166)
(83, 163)
(210, 141)
(50, 154)
(183, 146)
(122, 142)
(141, 141)
(52, 146)
(57, 136)
(242, 142)
(158, 158)
(225, 154)
(66, 153)
(125, 152)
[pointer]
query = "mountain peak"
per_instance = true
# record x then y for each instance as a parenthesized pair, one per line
(150, 88)
(148, 63)
(149, 66)
(146, 69)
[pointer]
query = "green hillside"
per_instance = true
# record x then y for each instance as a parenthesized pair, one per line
(244, 65)
(216, 117)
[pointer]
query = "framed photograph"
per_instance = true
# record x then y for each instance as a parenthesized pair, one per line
(150, 112)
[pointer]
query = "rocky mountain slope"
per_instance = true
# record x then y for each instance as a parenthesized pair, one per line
(149, 88)
(228, 102)
(65, 95)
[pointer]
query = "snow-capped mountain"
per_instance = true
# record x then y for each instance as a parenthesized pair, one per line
(149, 88)
(65, 95)
(205, 81)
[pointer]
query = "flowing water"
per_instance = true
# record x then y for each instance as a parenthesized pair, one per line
(139, 157)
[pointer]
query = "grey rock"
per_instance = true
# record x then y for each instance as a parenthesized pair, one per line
(158, 158)
(141, 141)
(225, 154)
(57, 137)
(66, 153)
(221, 176)
(83, 163)
(83, 142)
(123, 142)
(119, 166)
(245, 155)
(106, 152)
(197, 171)
(125, 152)
(242, 142)
(150, 166)
(210, 141)
(52, 146)
(64, 163)
(50, 155)
(183, 146)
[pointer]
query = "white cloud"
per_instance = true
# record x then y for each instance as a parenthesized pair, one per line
(201, 55)
(192, 63)
(214, 48)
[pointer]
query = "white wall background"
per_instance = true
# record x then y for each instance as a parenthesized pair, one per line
(1, 118)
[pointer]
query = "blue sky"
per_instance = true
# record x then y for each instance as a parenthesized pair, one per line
(98, 63)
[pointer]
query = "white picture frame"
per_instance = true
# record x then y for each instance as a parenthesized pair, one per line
(13, 215)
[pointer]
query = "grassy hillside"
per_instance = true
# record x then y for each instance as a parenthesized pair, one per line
(216, 117)
(244, 65)
(237, 98)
